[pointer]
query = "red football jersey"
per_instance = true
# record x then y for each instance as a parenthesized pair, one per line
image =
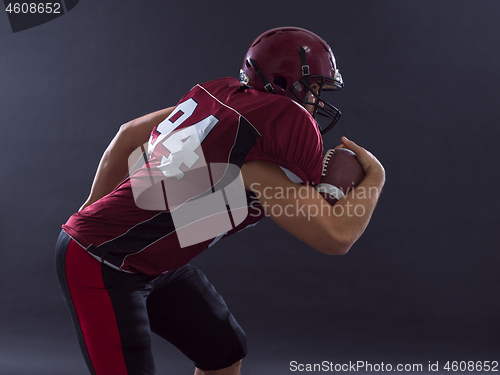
(188, 194)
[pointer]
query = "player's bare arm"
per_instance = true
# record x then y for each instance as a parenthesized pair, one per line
(330, 234)
(113, 167)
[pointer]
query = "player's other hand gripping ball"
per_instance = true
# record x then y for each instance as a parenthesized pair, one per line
(341, 173)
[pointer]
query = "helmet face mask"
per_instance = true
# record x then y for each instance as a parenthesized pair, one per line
(314, 87)
(296, 63)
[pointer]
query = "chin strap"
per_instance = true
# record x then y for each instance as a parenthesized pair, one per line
(269, 88)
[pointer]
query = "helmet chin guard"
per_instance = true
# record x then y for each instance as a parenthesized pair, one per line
(330, 114)
(288, 61)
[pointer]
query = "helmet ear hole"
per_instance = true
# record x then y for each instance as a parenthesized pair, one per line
(281, 82)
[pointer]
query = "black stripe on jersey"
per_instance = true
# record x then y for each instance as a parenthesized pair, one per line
(136, 239)
(245, 139)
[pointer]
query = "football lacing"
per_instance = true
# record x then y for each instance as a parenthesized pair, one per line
(326, 159)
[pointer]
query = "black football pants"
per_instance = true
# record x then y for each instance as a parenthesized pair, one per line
(115, 312)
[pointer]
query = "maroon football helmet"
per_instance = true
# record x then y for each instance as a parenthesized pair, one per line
(288, 61)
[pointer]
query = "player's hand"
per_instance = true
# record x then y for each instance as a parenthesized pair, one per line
(368, 161)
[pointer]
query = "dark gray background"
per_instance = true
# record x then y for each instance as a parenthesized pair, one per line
(422, 81)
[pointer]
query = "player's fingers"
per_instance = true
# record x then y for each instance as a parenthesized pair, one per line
(358, 150)
(361, 153)
(351, 145)
(365, 157)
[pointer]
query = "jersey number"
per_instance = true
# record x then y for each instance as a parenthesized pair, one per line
(183, 143)
(199, 211)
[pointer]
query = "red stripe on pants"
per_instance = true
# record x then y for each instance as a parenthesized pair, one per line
(95, 311)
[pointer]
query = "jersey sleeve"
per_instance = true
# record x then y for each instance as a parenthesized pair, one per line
(292, 140)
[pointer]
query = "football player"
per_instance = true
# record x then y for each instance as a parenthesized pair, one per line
(123, 258)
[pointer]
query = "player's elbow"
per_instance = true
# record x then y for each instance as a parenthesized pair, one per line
(336, 244)
(337, 249)
(126, 132)
(128, 139)
(340, 238)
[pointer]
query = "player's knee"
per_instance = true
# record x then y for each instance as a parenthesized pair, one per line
(230, 349)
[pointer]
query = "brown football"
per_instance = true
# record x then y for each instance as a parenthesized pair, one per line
(341, 174)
